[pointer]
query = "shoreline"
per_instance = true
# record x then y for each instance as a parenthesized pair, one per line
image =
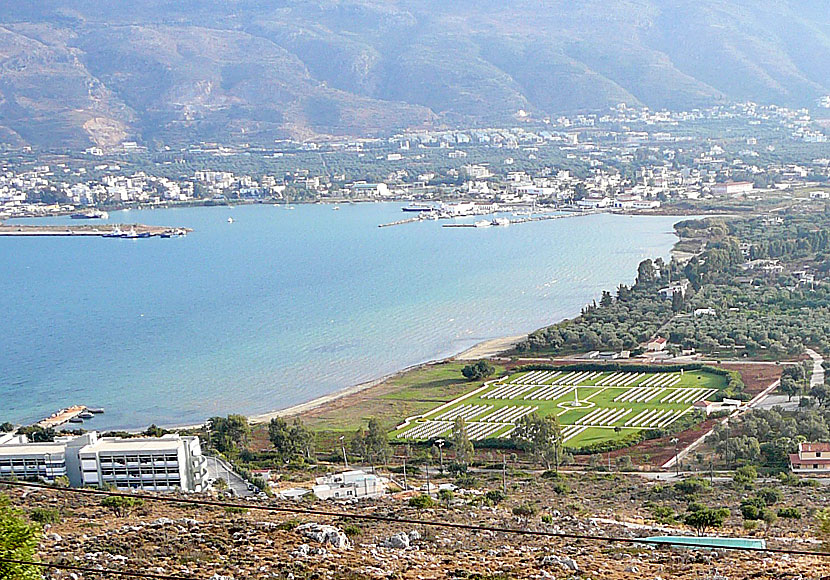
(484, 349)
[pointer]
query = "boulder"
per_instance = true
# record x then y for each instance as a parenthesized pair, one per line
(325, 535)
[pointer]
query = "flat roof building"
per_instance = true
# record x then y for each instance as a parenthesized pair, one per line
(152, 463)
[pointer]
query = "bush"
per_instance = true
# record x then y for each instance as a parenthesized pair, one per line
(769, 495)
(547, 519)
(477, 371)
(745, 476)
(790, 513)
(235, 510)
(524, 510)
(663, 514)
(561, 488)
(692, 485)
(494, 496)
(288, 525)
(45, 516)
(121, 505)
(422, 501)
(352, 530)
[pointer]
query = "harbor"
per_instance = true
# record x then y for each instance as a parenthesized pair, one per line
(73, 414)
(128, 231)
(523, 214)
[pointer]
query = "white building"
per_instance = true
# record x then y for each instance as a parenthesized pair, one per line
(152, 463)
(355, 484)
(732, 188)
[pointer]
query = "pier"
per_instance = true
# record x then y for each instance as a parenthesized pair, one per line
(400, 222)
(115, 231)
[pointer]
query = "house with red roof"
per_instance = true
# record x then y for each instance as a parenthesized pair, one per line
(812, 458)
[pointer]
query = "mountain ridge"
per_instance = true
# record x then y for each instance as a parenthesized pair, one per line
(160, 71)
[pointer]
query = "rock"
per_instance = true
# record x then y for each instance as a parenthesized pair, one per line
(562, 561)
(325, 534)
(632, 569)
(219, 577)
(301, 551)
(414, 536)
(398, 541)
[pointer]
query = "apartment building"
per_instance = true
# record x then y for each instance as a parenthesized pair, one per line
(163, 463)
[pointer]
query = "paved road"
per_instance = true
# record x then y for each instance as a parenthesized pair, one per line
(817, 377)
(221, 469)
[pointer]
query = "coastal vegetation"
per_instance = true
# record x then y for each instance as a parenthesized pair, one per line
(757, 289)
(19, 541)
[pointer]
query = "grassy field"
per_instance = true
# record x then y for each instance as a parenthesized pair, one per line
(591, 406)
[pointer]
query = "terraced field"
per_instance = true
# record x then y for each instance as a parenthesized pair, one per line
(591, 406)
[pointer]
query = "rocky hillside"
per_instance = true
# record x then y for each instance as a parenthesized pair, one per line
(80, 72)
(211, 542)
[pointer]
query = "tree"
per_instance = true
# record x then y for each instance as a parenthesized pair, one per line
(790, 387)
(745, 476)
(18, 541)
(121, 505)
(6, 427)
(291, 441)
(701, 518)
(646, 274)
(477, 371)
(541, 436)
(821, 392)
(229, 434)
(38, 434)
(461, 444)
(373, 443)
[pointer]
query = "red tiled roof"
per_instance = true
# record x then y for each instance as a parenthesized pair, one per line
(796, 460)
(813, 447)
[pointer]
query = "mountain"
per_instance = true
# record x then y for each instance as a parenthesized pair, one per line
(104, 71)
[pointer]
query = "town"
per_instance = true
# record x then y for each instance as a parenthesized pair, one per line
(626, 159)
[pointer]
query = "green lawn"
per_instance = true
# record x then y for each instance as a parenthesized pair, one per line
(591, 408)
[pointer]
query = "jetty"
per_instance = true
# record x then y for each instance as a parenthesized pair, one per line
(76, 412)
(400, 222)
(108, 231)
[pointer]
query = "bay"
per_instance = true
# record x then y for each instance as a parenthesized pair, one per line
(281, 306)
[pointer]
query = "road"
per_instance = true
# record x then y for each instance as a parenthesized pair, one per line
(817, 377)
(221, 469)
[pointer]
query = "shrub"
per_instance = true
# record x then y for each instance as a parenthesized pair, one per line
(121, 505)
(45, 516)
(561, 487)
(352, 530)
(494, 496)
(771, 496)
(745, 476)
(524, 510)
(692, 485)
(791, 513)
(235, 510)
(422, 501)
(547, 518)
(663, 514)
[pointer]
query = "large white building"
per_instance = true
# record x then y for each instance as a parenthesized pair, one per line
(355, 484)
(153, 463)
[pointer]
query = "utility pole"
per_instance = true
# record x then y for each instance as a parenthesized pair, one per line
(727, 443)
(429, 485)
(405, 486)
(440, 444)
(676, 460)
(504, 474)
(343, 447)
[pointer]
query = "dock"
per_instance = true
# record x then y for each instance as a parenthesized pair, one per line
(400, 222)
(61, 417)
(67, 415)
(128, 231)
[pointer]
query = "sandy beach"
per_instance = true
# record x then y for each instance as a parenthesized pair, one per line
(484, 349)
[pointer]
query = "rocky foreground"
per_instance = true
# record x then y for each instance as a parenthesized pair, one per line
(231, 543)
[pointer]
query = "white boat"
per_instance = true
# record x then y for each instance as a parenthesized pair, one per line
(335, 208)
(230, 220)
(501, 222)
(483, 224)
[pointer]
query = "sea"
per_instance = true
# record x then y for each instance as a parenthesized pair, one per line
(282, 305)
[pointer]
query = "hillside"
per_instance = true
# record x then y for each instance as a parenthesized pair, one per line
(82, 72)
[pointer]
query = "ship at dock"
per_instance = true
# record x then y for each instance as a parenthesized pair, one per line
(94, 214)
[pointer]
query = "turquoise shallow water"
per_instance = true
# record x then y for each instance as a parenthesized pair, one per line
(281, 306)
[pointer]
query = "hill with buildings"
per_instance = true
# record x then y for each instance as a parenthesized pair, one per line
(81, 72)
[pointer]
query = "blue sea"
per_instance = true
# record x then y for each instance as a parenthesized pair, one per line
(281, 306)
